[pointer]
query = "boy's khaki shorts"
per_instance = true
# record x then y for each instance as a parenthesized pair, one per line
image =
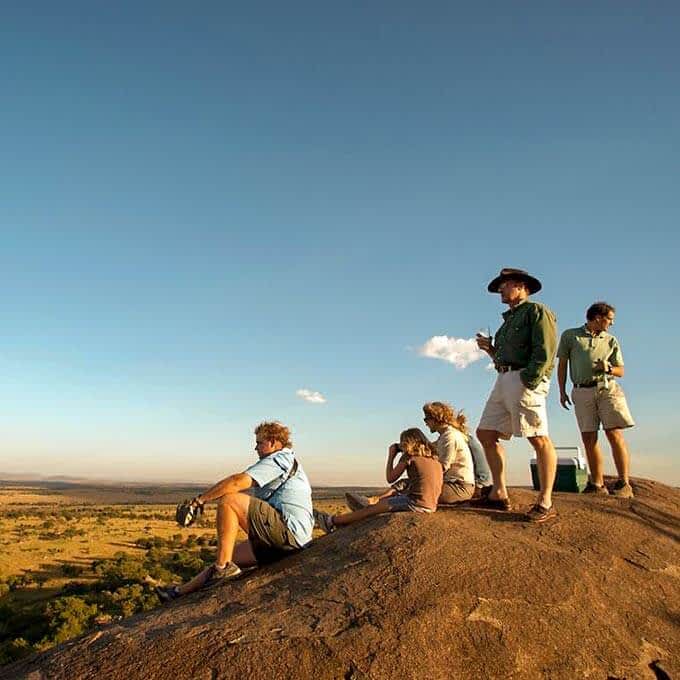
(607, 407)
(514, 409)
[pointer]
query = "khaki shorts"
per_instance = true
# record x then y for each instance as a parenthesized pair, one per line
(513, 409)
(607, 407)
(456, 491)
(269, 536)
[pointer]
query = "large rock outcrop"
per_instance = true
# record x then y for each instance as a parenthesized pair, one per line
(460, 594)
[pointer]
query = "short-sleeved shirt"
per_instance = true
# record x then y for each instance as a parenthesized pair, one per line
(454, 455)
(425, 481)
(583, 348)
(527, 341)
(292, 498)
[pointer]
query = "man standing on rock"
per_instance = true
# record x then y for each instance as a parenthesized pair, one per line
(595, 359)
(523, 353)
(276, 515)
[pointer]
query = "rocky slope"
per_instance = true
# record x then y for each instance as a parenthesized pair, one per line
(460, 594)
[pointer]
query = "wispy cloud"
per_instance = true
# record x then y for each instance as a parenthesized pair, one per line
(457, 351)
(311, 396)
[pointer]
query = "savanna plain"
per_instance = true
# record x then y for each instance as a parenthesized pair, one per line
(74, 556)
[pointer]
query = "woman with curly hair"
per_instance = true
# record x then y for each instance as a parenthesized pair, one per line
(453, 450)
(420, 462)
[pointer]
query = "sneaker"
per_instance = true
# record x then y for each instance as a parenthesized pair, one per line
(356, 501)
(539, 514)
(219, 574)
(167, 594)
(324, 521)
(622, 489)
(595, 489)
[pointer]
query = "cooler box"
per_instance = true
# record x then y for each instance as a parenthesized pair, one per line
(572, 472)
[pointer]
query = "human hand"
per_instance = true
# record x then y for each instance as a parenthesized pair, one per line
(393, 450)
(484, 342)
(601, 366)
(564, 400)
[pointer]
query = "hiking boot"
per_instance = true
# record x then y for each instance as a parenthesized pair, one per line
(538, 514)
(622, 489)
(324, 521)
(595, 489)
(167, 594)
(219, 574)
(356, 501)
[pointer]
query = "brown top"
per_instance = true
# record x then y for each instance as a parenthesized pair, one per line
(426, 476)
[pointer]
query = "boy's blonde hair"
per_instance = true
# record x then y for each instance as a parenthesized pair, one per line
(273, 431)
(414, 443)
(443, 414)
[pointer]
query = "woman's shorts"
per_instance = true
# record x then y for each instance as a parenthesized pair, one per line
(456, 491)
(269, 536)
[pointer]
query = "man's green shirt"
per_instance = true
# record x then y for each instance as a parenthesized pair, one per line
(527, 340)
(583, 349)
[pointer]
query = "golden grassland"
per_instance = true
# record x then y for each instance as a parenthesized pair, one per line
(44, 530)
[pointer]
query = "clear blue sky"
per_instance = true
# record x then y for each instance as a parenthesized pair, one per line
(205, 209)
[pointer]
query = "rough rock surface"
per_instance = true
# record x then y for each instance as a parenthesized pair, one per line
(460, 594)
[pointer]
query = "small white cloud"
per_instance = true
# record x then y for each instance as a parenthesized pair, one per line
(311, 396)
(456, 351)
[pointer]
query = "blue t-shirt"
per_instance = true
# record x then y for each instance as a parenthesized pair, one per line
(293, 499)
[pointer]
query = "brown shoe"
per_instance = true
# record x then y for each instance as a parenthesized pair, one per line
(482, 491)
(622, 490)
(491, 503)
(595, 489)
(538, 514)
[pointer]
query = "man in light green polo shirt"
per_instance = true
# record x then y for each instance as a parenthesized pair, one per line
(594, 358)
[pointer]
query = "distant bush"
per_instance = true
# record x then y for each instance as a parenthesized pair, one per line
(12, 650)
(71, 570)
(68, 617)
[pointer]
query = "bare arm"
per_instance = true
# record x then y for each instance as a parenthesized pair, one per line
(392, 471)
(562, 381)
(232, 484)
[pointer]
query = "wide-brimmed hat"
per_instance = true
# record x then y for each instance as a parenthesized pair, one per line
(533, 284)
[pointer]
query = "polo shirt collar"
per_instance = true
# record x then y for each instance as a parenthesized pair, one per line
(592, 335)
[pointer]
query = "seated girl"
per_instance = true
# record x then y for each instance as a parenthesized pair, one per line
(425, 476)
(462, 473)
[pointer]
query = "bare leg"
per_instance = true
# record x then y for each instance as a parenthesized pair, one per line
(384, 494)
(495, 457)
(356, 516)
(594, 456)
(243, 556)
(619, 452)
(546, 458)
(232, 512)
